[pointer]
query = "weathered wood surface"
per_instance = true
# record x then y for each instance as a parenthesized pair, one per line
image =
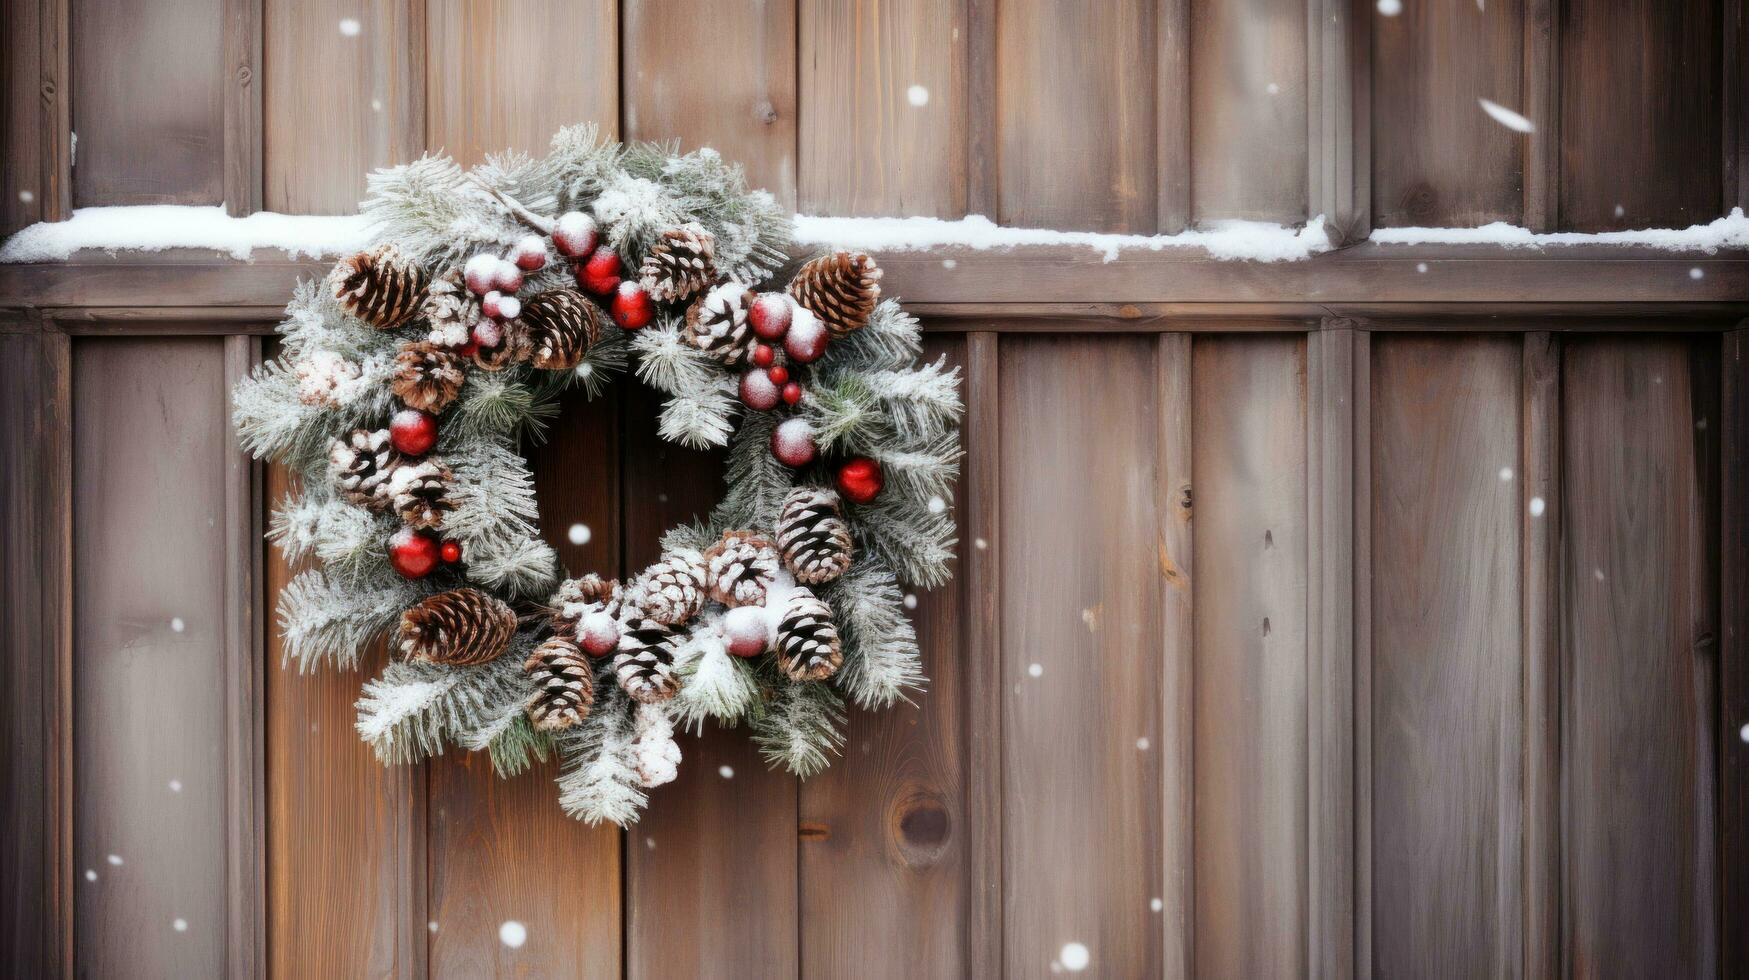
(1248, 110)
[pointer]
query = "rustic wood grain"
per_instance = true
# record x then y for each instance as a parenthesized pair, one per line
(148, 105)
(719, 74)
(244, 652)
(241, 80)
(1173, 486)
(1539, 500)
(1075, 115)
(1639, 658)
(1083, 658)
(983, 167)
(344, 93)
(503, 75)
(149, 437)
(1248, 110)
(1638, 147)
(1363, 619)
(1172, 122)
(1339, 116)
(22, 128)
(1542, 101)
(1249, 457)
(1438, 158)
(867, 147)
(1447, 714)
(1734, 652)
(985, 695)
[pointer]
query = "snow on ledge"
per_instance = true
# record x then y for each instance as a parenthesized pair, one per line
(155, 227)
(1730, 231)
(1257, 241)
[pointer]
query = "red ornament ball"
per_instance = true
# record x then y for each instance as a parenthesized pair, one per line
(778, 374)
(489, 303)
(480, 272)
(413, 432)
(792, 393)
(574, 234)
(600, 274)
(770, 315)
(598, 634)
(757, 391)
(487, 334)
(530, 253)
(747, 631)
(508, 278)
(792, 442)
(452, 552)
(763, 355)
(806, 339)
(632, 307)
(860, 479)
(413, 553)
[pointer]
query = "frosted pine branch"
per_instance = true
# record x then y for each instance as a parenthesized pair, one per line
(600, 780)
(325, 619)
(408, 712)
(713, 684)
(799, 730)
(881, 659)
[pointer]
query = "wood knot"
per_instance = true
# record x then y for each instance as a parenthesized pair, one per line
(920, 827)
(245, 75)
(813, 831)
(1421, 201)
(765, 112)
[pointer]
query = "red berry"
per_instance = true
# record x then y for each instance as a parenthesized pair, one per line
(860, 479)
(758, 392)
(574, 234)
(763, 355)
(413, 553)
(452, 552)
(598, 633)
(469, 349)
(603, 262)
(778, 374)
(413, 432)
(632, 307)
(806, 339)
(792, 442)
(489, 303)
(508, 278)
(479, 272)
(530, 253)
(770, 315)
(792, 393)
(509, 308)
(487, 334)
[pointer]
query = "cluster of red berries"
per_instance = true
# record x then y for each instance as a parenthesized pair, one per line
(413, 552)
(599, 271)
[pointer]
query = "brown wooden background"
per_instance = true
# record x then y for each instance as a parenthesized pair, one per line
(1444, 677)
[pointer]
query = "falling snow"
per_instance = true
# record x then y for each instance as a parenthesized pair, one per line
(937, 505)
(1505, 474)
(1696, 274)
(917, 95)
(1036, 670)
(1390, 8)
(90, 875)
(1143, 743)
(1074, 957)
(910, 601)
(1506, 117)
(1537, 506)
(180, 925)
(1156, 904)
(115, 859)
(727, 772)
(432, 925)
(578, 534)
(177, 625)
(1743, 733)
(350, 27)
(513, 934)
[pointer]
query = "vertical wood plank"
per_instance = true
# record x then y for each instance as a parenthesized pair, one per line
(1363, 656)
(983, 167)
(149, 437)
(985, 695)
(344, 93)
(504, 75)
(1734, 653)
(714, 73)
(883, 107)
(22, 129)
(1172, 502)
(1339, 116)
(502, 850)
(1083, 660)
(1249, 456)
(1076, 115)
(149, 104)
(1249, 104)
(1540, 643)
(1172, 126)
(241, 80)
(1640, 887)
(1639, 148)
(245, 841)
(1446, 678)
(1542, 101)
(1735, 101)
(1438, 158)
(55, 63)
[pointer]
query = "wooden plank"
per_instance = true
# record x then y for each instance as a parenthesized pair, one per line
(346, 852)
(1438, 158)
(1172, 502)
(1640, 480)
(1363, 578)
(981, 571)
(883, 91)
(245, 839)
(1249, 456)
(502, 850)
(1639, 149)
(55, 65)
(1172, 126)
(1735, 101)
(344, 93)
(1542, 100)
(149, 783)
(983, 170)
(35, 655)
(1339, 117)
(1539, 576)
(711, 867)
(884, 834)
(169, 146)
(1446, 676)
(1248, 108)
(505, 75)
(714, 73)
(22, 132)
(1734, 653)
(241, 79)
(1075, 115)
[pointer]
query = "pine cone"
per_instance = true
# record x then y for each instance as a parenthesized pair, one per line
(812, 535)
(561, 323)
(421, 491)
(578, 597)
(564, 685)
(450, 312)
(807, 642)
(380, 286)
(681, 264)
(359, 464)
(672, 590)
(644, 662)
(326, 379)
(740, 568)
(427, 377)
(841, 289)
(513, 349)
(460, 628)
(716, 323)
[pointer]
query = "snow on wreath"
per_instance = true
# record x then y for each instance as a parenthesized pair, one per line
(411, 380)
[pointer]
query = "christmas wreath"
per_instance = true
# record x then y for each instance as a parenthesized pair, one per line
(410, 380)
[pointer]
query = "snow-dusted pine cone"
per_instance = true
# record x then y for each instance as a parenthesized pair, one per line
(681, 264)
(740, 568)
(450, 312)
(359, 463)
(421, 491)
(513, 346)
(564, 685)
(380, 286)
(459, 627)
(716, 322)
(578, 597)
(561, 323)
(326, 379)
(427, 377)
(672, 590)
(841, 289)
(807, 642)
(812, 535)
(644, 662)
